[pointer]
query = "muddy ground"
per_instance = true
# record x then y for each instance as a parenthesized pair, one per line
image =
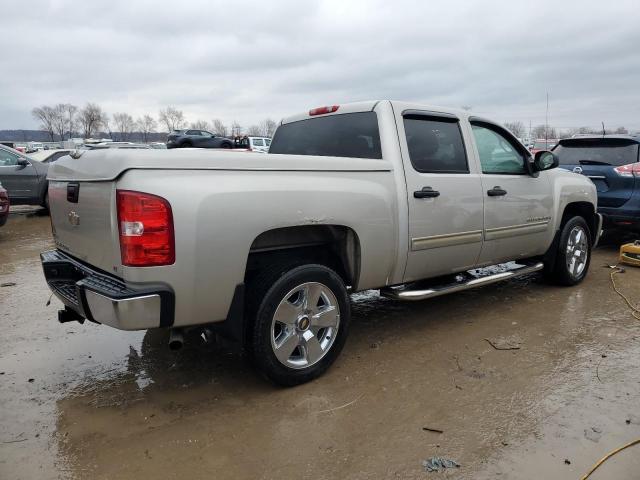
(87, 401)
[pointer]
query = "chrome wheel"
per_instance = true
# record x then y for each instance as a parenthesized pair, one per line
(577, 251)
(305, 325)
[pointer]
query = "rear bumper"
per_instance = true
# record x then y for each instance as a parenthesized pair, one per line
(626, 216)
(102, 298)
(614, 217)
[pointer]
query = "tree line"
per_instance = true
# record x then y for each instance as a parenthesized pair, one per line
(547, 131)
(64, 121)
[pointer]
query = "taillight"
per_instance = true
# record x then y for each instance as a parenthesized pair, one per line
(323, 110)
(145, 224)
(630, 170)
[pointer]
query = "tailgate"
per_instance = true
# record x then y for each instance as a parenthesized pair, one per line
(84, 223)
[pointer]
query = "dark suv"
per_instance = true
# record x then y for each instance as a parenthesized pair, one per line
(613, 165)
(197, 138)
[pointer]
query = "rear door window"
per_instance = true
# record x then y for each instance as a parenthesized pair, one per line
(435, 144)
(353, 135)
(8, 159)
(193, 132)
(258, 142)
(615, 152)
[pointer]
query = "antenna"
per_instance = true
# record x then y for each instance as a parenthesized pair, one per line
(603, 130)
(546, 123)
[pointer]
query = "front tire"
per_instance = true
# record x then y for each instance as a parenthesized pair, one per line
(573, 255)
(300, 322)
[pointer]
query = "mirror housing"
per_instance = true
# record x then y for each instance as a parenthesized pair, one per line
(545, 160)
(23, 162)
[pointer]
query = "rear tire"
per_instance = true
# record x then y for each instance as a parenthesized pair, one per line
(225, 145)
(573, 255)
(300, 319)
(186, 145)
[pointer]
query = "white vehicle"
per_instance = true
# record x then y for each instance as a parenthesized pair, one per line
(267, 248)
(48, 156)
(35, 146)
(259, 144)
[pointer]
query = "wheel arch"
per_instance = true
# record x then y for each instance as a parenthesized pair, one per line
(336, 246)
(585, 210)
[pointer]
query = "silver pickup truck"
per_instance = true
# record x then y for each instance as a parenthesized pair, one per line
(265, 249)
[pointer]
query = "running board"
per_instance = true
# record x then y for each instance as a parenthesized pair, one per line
(465, 281)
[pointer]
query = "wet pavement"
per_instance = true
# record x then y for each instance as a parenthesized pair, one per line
(87, 401)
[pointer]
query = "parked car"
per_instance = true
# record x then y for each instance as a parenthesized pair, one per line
(34, 147)
(259, 144)
(24, 178)
(266, 249)
(4, 205)
(252, 144)
(197, 138)
(124, 145)
(49, 156)
(542, 145)
(613, 165)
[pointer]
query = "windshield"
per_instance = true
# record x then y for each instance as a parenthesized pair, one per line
(348, 135)
(607, 153)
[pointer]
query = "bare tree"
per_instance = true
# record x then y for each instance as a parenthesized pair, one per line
(621, 131)
(91, 118)
(60, 120)
(70, 113)
(254, 131)
(220, 128)
(268, 127)
(236, 129)
(200, 125)
(172, 118)
(146, 125)
(106, 123)
(517, 128)
(544, 131)
(124, 124)
(46, 115)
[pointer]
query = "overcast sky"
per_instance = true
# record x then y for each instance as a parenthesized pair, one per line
(246, 61)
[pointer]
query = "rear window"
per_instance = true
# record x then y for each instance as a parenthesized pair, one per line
(435, 145)
(348, 135)
(607, 152)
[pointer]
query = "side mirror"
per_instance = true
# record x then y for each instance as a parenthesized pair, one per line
(545, 160)
(23, 162)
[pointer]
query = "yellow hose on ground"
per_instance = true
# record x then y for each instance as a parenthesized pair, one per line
(635, 311)
(611, 454)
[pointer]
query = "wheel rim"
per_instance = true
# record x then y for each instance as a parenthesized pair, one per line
(305, 325)
(577, 251)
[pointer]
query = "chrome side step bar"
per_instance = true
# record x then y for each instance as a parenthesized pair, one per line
(472, 279)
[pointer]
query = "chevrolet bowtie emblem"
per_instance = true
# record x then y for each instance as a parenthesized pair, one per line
(74, 218)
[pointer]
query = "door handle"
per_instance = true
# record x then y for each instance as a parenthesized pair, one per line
(496, 192)
(426, 192)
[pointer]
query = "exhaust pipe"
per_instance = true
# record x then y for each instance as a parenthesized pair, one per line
(176, 339)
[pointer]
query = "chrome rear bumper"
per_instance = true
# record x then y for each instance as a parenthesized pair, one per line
(102, 298)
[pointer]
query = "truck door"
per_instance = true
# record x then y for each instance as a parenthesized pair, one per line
(444, 196)
(517, 206)
(20, 181)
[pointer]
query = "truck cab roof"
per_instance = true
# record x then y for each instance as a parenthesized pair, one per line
(368, 106)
